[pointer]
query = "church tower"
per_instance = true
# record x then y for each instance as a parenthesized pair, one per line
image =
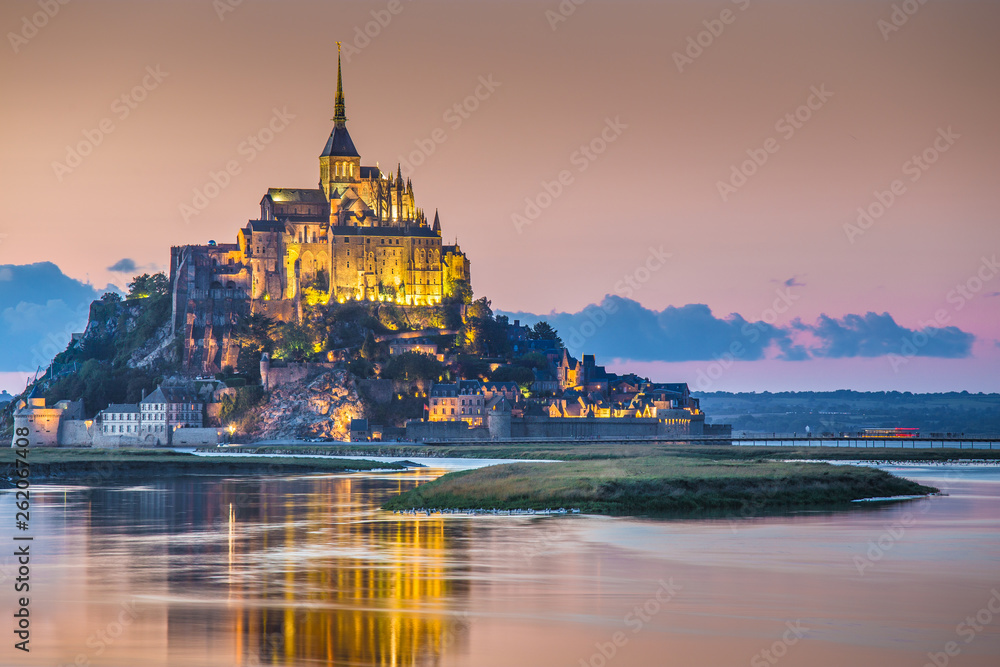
(339, 163)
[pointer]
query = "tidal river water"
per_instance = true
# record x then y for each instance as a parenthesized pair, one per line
(306, 570)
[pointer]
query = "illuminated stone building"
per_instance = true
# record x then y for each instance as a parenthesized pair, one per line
(358, 235)
(46, 426)
(459, 401)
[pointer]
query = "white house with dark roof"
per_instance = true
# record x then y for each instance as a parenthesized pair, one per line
(121, 419)
(167, 409)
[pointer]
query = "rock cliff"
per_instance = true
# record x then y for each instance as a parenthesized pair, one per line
(320, 406)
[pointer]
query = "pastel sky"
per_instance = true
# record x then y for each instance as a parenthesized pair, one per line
(698, 165)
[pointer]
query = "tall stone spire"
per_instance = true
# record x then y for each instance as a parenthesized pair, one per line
(339, 110)
(340, 144)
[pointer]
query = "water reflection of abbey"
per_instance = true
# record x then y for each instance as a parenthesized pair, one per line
(293, 571)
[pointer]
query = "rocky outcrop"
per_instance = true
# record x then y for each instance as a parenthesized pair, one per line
(317, 407)
(134, 332)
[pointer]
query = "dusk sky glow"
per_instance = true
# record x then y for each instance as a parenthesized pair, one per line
(801, 169)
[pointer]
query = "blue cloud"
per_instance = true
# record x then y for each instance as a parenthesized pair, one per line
(124, 265)
(40, 307)
(874, 335)
(622, 328)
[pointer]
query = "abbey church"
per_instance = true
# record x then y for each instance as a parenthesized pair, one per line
(358, 236)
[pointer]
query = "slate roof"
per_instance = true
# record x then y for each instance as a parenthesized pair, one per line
(463, 387)
(155, 397)
(499, 386)
(266, 226)
(170, 395)
(121, 407)
(340, 144)
(307, 195)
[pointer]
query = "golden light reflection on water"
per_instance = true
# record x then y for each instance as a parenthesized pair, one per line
(306, 571)
(247, 572)
(350, 588)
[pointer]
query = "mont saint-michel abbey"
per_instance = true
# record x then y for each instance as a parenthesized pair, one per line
(358, 236)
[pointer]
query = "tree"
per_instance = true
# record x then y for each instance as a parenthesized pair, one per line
(524, 377)
(481, 334)
(292, 341)
(369, 349)
(111, 297)
(255, 336)
(480, 309)
(544, 331)
(458, 291)
(148, 285)
(411, 366)
(361, 368)
(533, 360)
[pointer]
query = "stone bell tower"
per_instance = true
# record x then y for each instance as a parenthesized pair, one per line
(340, 162)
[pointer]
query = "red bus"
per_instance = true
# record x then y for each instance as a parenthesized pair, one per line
(898, 432)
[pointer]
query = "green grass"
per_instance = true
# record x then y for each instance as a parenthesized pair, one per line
(115, 464)
(657, 486)
(586, 451)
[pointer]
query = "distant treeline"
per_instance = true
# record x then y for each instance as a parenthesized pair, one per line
(846, 411)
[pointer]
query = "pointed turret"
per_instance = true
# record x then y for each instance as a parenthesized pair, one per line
(340, 162)
(437, 224)
(339, 144)
(339, 108)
